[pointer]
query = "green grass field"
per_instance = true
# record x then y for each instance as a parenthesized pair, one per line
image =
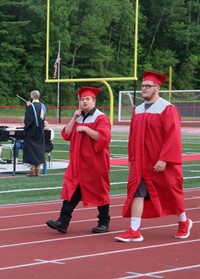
(22, 189)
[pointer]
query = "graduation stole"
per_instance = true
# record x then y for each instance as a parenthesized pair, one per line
(35, 113)
(43, 111)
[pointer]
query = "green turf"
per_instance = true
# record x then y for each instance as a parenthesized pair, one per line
(22, 189)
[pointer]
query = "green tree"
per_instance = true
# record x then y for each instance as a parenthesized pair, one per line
(12, 48)
(97, 40)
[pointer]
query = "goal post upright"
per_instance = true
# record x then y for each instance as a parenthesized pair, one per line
(47, 40)
(104, 80)
(136, 48)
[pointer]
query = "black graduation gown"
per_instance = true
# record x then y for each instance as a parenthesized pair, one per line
(34, 137)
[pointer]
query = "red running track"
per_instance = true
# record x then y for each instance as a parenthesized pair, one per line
(29, 249)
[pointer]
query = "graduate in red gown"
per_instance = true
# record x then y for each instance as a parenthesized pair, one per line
(155, 157)
(87, 176)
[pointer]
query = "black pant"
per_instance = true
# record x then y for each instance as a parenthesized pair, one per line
(69, 206)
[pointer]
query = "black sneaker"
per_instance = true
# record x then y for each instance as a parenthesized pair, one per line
(56, 225)
(101, 229)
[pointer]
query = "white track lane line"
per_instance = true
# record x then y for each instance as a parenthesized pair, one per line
(43, 261)
(80, 236)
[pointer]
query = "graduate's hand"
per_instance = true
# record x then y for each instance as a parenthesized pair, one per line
(77, 113)
(81, 129)
(90, 132)
(28, 103)
(160, 166)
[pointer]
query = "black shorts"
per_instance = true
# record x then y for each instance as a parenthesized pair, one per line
(142, 190)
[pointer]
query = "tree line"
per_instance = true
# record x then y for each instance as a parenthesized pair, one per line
(97, 40)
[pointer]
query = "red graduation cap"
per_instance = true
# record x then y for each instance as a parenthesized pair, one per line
(88, 91)
(155, 77)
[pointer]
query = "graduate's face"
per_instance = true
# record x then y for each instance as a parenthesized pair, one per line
(150, 91)
(87, 103)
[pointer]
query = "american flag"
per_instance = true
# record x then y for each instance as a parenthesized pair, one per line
(57, 61)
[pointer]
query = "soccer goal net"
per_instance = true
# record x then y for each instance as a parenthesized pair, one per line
(187, 102)
(126, 104)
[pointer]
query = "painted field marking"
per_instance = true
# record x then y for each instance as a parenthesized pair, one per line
(160, 272)
(136, 275)
(46, 262)
(86, 256)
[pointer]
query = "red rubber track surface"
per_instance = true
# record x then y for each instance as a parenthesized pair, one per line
(29, 249)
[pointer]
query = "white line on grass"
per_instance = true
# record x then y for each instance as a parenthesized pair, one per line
(116, 196)
(59, 187)
(48, 188)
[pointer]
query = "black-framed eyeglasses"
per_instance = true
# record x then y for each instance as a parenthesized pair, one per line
(147, 86)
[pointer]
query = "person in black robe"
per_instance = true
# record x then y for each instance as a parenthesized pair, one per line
(34, 136)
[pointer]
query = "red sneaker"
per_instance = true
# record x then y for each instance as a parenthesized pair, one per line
(129, 236)
(184, 229)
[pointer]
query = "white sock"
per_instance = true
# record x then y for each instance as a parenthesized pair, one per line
(135, 223)
(182, 217)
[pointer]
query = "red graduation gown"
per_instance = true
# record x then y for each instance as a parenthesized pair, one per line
(156, 135)
(89, 161)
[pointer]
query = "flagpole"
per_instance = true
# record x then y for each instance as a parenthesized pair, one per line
(58, 85)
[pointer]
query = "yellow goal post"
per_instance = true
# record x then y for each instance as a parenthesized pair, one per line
(101, 80)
